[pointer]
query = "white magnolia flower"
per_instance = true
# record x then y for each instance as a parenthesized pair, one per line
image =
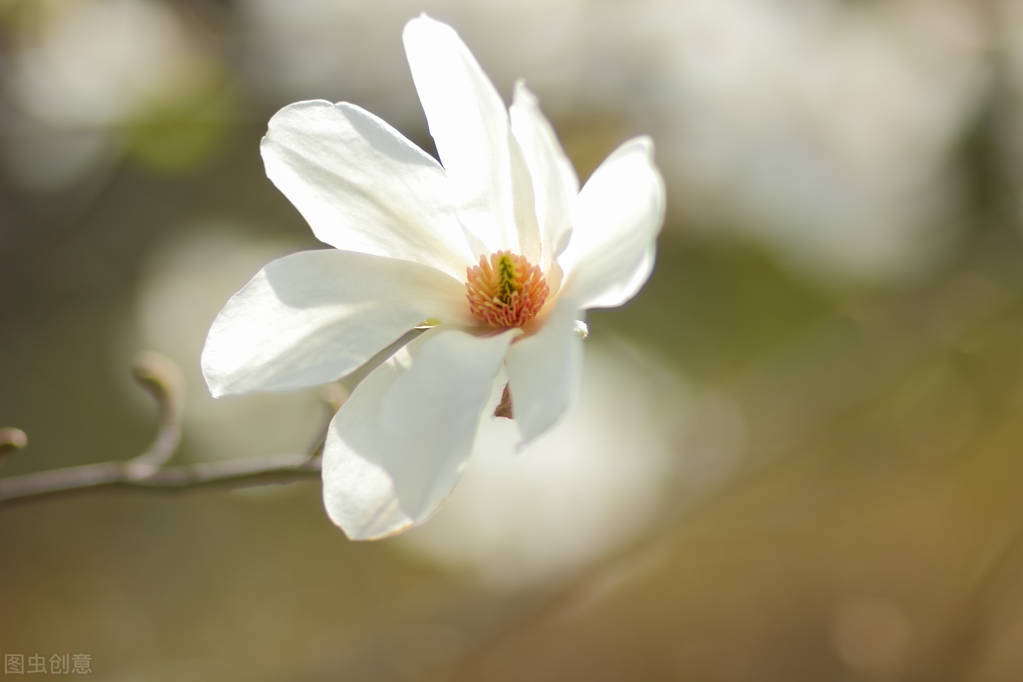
(497, 250)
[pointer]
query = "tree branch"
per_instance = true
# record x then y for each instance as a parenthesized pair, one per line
(148, 470)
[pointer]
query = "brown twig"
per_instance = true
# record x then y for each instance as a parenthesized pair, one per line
(162, 379)
(148, 470)
(232, 473)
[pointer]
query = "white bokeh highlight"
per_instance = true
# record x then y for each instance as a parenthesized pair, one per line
(594, 482)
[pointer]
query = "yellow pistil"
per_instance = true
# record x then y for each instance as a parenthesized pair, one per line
(505, 290)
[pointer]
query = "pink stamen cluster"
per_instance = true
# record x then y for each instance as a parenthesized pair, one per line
(505, 290)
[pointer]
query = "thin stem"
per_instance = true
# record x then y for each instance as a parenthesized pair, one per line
(148, 470)
(161, 379)
(232, 473)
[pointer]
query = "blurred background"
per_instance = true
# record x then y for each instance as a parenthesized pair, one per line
(797, 451)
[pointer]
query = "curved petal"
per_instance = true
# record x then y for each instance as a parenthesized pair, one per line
(544, 371)
(363, 187)
(616, 219)
(314, 316)
(396, 448)
(553, 178)
(469, 123)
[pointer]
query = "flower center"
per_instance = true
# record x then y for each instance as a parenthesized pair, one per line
(505, 290)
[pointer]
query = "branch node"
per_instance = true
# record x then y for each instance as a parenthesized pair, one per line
(158, 375)
(12, 440)
(161, 378)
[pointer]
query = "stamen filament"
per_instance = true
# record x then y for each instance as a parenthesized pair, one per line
(505, 290)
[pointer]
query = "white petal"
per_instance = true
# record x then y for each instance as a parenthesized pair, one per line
(396, 448)
(544, 371)
(314, 316)
(363, 187)
(469, 123)
(554, 181)
(615, 223)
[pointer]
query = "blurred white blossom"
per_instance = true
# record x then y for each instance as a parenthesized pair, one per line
(593, 483)
(97, 62)
(823, 129)
(184, 283)
(81, 69)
